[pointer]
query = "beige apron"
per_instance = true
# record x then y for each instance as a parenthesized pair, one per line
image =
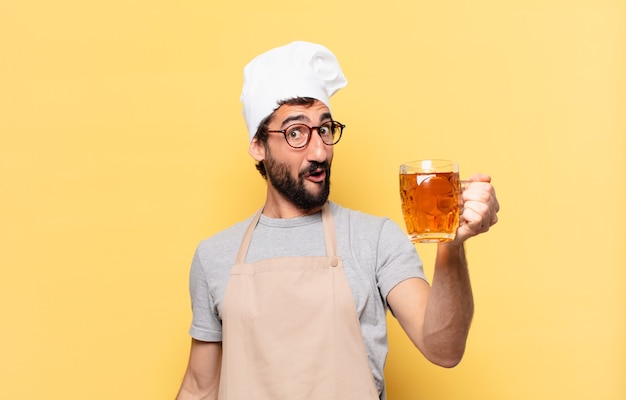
(290, 329)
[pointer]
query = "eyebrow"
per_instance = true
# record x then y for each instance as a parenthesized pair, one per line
(302, 117)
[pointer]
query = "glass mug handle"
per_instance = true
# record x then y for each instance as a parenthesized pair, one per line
(464, 185)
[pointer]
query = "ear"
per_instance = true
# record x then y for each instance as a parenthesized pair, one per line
(257, 150)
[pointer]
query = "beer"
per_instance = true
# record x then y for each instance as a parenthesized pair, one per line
(430, 205)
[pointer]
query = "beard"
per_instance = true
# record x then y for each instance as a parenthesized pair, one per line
(293, 189)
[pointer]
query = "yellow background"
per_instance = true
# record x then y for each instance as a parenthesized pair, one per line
(122, 145)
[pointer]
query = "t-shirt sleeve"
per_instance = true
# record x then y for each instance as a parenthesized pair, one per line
(206, 324)
(397, 258)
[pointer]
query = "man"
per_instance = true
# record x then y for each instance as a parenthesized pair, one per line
(291, 303)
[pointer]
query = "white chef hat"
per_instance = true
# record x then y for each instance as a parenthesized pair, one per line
(299, 69)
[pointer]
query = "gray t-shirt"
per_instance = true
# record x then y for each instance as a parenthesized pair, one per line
(376, 253)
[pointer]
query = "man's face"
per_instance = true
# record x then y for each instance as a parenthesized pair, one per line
(301, 176)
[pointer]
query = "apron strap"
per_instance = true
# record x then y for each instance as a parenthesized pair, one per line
(247, 238)
(329, 231)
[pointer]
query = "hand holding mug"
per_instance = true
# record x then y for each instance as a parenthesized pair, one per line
(480, 207)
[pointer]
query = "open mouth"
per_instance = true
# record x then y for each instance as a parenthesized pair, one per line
(316, 175)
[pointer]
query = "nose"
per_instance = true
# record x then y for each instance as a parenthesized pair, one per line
(317, 150)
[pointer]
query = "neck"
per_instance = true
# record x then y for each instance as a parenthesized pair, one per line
(277, 212)
(279, 207)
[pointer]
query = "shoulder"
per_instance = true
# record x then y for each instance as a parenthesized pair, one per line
(355, 216)
(223, 241)
(359, 222)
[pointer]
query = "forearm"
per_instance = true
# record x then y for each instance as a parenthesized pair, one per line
(191, 390)
(202, 378)
(450, 307)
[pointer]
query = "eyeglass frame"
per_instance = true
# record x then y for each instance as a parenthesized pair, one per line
(335, 124)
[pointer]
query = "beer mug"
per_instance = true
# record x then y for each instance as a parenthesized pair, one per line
(431, 199)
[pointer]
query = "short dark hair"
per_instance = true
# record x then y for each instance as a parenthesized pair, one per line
(262, 134)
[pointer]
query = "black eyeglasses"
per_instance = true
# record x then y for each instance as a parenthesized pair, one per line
(299, 135)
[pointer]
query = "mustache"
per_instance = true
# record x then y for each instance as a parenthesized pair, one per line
(314, 166)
